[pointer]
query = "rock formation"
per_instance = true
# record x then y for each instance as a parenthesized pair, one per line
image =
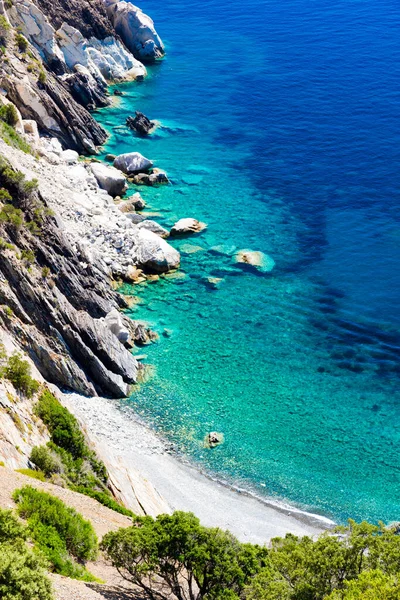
(187, 226)
(109, 179)
(132, 162)
(140, 123)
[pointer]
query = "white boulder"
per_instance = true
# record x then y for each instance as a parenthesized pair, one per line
(187, 226)
(113, 320)
(152, 253)
(69, 156)
(109, 179)
(132, 162)
(136, 30)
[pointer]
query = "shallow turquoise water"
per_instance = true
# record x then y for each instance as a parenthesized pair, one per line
(288, 152)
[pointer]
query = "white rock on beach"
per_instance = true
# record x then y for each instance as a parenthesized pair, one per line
(132, 162)
(152, 253)
(109, 179)
(187, 226)
(136, 30)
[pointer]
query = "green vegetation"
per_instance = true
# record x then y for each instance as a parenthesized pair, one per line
(5, 245)
(176, 555)
(31, 473)
(45, 272)
(61, 534)
(12, 215)
(22, 575)
(42, 77)
(28, 256)
(5, 29)
(21, 42)
(190, 561)
(12, 138)
(18, 371)
(8, 114)
(46, 460)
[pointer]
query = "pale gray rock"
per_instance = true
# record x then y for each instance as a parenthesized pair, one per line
(154, 227)
(187, 226)
(136, 30)
(69, 156)
(109, 179)
(132, 162)
(115, 324)
(152, 253)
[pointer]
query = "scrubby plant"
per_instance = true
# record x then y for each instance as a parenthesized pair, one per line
(22, 574)
(105, 499)
(5, 29)
(8, 114)
(12, 138)
(61, 533)
(45, 272)
(42, 77)
(5, 196)
(28, 256)
(175, 555)
(13, 216)
(21, 42)
(11, 528)
(46, 460)
(18, 371)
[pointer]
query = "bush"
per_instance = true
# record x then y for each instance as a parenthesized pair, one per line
(5, 196)
(45, 272)
(42, 77)
(18, 371)
(155, 553)
(12, 215)
(47, 461)
(9, 114)
(5, 29)
(12, 138)
(63, 426)
(54, 525)
(21, 42)
(22, 575)
(10, 527)
(28, 256)
(105, 499)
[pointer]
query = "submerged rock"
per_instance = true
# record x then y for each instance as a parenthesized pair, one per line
(132, 163)
(214, 439)
(255, 259)
(152, 253)
(157, 177)
(187, 226)
(109, 179)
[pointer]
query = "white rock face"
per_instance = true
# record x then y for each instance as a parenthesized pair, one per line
(109, 179)
(31, 132)
(36, 27)
(29, 97)
(132, 162)
(187, 226)
(152, 253)
(136, 30)
(105, 60)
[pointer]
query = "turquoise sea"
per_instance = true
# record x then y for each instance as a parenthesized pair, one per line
(281, 131)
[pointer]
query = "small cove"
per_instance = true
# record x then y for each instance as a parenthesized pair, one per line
(288, 152)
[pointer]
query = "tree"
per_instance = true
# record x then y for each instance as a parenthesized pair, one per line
(22, 575)
(174, 554)
(370, 585)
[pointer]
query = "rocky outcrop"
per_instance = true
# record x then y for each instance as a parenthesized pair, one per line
(154, 227)
(140, 123)
(109, 179)
(152, 253)
(132, 162)
(187, 226)
(87, 16)
(156, 177)
(136, 30)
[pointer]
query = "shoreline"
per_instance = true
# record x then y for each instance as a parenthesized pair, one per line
(151, 479)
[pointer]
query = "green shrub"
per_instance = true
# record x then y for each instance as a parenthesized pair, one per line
(42, 77)
(31, 473)
(28, 256)
(45, 272)
(215, 563)
(22, 575)
(106, 500)
(5, 29)
(21, 42)
(9, 114)
(18, 371)
(10, 527)
(46, 460)
(63, 426)
(5, 196)
(5, 245)
(12, 215)
(12, 138)
(42, 509)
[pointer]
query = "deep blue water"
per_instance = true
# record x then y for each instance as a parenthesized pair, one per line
(283, 135)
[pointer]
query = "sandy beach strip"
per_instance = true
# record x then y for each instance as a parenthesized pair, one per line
(153, 479)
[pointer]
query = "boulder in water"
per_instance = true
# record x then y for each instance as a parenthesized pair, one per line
(214, 439)
(187, 226)
(132, 163)
(140, 123)
(153, 254)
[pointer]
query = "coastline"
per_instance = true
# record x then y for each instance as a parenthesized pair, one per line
(152, 479)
